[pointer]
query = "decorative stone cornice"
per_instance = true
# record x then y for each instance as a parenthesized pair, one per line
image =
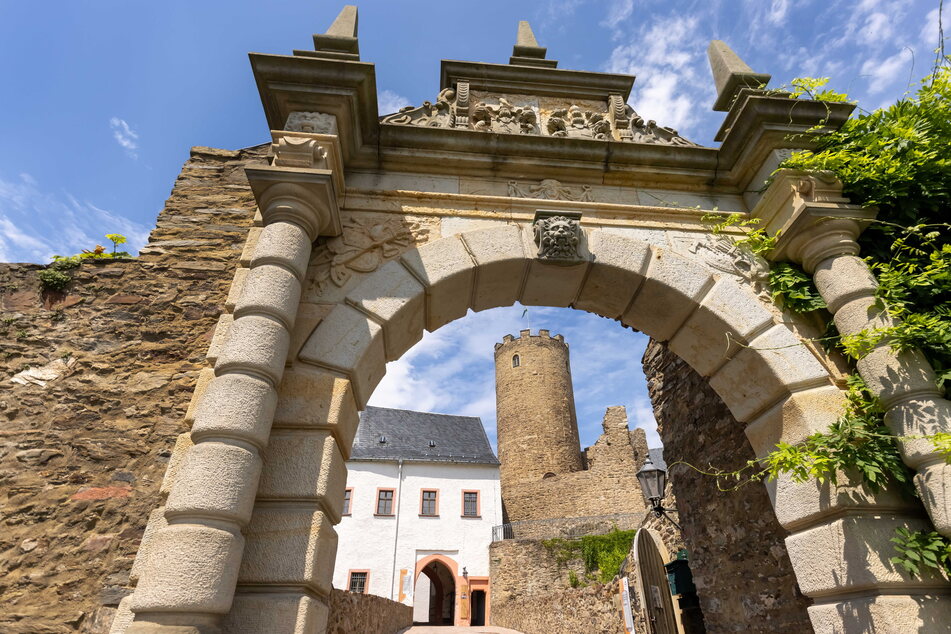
(810, 218)
(304, 197)
(309, 151)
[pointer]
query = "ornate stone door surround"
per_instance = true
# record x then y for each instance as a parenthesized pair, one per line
(245, 541)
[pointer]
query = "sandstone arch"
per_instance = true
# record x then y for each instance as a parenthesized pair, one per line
(766, 376)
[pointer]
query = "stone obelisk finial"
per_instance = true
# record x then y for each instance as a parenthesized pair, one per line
(730, 73)
(340, 40)
(527, 52)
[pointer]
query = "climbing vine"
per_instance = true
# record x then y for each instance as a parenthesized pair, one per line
(602, 554)
(895, 159)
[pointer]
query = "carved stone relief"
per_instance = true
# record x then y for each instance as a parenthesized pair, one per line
(558, 236)
(618, 121)
(364, 245)
(575, 123)
(311, 122)
(550, 189)
(436, 115)
(719, 252)
(293, 151)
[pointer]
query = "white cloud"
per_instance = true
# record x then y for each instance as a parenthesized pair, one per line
(669, 59)
(877, 29)
(389, 102)
(452, 370)
(884, 73)
(777, 12)
(36, 224)
(618, 11)
(930, 32)
(124, 135)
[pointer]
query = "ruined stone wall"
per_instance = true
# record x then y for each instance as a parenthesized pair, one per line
(366, 614)
(608, 486)
(737, 553)
(82, 455)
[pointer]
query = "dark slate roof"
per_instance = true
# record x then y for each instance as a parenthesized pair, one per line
(657, 457)
(408, 434)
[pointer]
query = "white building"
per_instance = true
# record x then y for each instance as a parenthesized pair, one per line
(422, 498)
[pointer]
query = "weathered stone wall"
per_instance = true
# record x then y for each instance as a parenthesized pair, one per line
(608, 486)
(82, 457)
(569, 611)
(366, 614)
(737, 553)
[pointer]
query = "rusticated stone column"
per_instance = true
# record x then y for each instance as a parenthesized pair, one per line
(194, 561)
(819, 231)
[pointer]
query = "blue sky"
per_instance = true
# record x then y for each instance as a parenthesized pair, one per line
(103, 98)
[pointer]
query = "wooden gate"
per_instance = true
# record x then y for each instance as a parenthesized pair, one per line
(653, 590)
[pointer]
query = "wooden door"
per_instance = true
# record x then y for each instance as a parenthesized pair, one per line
(653, 589)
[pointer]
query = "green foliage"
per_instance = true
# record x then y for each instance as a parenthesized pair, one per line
(55, 276)
(117, 239)
(602, 554)
(793, 288)
(858, 442)
(811, 88)
(919, 549)
(573, 580)
(55, 279)
(755, 239)
(897, 159)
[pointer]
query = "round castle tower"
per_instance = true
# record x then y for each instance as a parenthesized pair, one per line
(535, 409)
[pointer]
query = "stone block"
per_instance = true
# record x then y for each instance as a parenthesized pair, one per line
(775, 363)
(216, 479)
(796, 417)
(310, 398)
(615, 275)
(919, 417)
(893, 376)
(284, 243)
(254, 234)
(307, 318)
(237, 286)
(256, 344)
(934, 487)
(671, 290)
(201, 384)
(726, 318)
(502, 265)
(802, 504)
(236, 406)
(123, 617)
(190, 568)
(218, 338)
(156, 522)
(883, 614)
(842, 278)
(850, 554)
(395, 299)
(349, 342)
(447, 271)
(270, 289)
(304, 464)
(182, 444)
(275, 613)
(289, 546)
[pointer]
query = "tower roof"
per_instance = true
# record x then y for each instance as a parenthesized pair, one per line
(421, 437)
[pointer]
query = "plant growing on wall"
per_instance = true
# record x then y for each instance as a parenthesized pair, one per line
(896, 159)
(602, 555)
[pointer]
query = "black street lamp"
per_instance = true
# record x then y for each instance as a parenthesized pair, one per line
(653, 481)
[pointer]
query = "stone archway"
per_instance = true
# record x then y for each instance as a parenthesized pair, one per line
(771, 382)
(442, 573)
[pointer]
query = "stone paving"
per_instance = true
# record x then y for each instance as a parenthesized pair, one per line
(442, 629)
